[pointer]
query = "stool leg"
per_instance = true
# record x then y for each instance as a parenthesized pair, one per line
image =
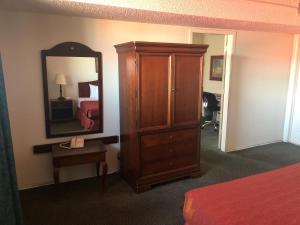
(104, 173)
(56, 182)
(56, 176)
(97, 169)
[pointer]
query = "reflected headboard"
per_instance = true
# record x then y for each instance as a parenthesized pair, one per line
(84, 88)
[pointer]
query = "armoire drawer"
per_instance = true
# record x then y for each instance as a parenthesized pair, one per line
(169, 137)
(167, 165)
(169, 151)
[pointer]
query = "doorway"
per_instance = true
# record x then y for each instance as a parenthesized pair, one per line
(216, 83)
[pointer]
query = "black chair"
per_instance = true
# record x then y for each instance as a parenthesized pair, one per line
(210, 110)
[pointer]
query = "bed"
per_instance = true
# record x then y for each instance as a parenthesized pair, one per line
(88, 107)
(271, 198)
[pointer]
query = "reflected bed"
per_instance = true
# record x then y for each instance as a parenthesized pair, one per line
(88, 107)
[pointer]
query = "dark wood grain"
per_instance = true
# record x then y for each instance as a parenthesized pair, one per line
(92, 146)
(84, 88)
(187, 93)
(160, 99)
(167, 137)
(160, 47)
(169, 164)
(168, 145)
(154, 85)
(129, 156)
(47, 148)
(61, 110)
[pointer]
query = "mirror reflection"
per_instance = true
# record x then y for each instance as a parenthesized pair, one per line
(73, 92)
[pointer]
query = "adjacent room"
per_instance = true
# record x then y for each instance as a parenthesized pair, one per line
(213, 88)
(160, 112)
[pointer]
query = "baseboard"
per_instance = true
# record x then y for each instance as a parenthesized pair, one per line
(52, 182)
(253, 146)
(292, 143)
(36, 186)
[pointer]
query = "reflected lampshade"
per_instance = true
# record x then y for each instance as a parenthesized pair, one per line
(60, 79)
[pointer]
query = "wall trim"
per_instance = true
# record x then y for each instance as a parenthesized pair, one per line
(255, 145)
(291, 142)
(48, 183)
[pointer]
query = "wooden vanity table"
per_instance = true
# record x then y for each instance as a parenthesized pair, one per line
(93, 152)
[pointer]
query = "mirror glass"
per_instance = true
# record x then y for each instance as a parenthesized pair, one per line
(73, 94)
(72, 81)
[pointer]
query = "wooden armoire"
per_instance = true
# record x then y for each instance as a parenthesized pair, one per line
(160, 111)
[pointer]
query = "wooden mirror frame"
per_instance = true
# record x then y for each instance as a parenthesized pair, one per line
(71, 49)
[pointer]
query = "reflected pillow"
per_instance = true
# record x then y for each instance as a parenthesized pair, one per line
(94, 91)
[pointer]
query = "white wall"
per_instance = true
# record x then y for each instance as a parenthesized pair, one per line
(259, 82)
(75, 69)
(216, 47)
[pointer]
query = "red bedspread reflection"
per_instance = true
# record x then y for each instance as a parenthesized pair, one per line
(88, 114)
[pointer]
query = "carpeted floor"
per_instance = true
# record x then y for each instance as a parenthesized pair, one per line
(83, 204)
(66, 126)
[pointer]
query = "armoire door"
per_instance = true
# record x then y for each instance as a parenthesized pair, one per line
(154, 91)
(187, 89)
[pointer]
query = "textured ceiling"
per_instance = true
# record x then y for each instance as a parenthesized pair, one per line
(268, 15)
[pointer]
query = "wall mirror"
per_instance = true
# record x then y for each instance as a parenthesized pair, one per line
(72, 80)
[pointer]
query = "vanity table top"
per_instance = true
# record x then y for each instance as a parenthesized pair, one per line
(90, 146)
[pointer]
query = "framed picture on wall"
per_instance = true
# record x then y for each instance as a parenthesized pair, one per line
(216, 67)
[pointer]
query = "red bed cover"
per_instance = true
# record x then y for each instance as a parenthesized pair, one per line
(90, 108)
(271, 198)
(88, 114)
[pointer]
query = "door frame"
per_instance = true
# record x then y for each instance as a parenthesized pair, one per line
(292, 88)
(229, 48)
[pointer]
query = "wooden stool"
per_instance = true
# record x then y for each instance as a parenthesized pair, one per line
(93, 152)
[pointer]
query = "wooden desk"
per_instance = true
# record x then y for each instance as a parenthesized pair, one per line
(93, 152)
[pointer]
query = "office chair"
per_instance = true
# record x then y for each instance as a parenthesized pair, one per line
(210, 109)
